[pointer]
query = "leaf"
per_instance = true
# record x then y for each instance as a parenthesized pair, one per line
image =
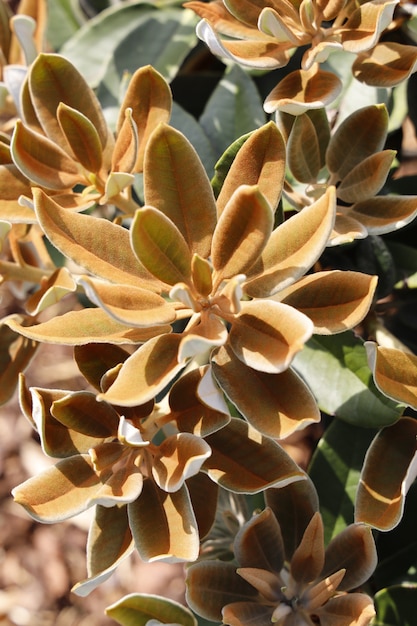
(94, 243)
(149, 97)
(359, 136)
(52, 289)
(152, 367)
(163, 525)
(241, 234)
(186, 200)
(367, 178)
(335, 471)
(64, 19)
(178, 458)
(293, 248)
(335, 301)
(303, 150)
(385, 214)
(82, 327)
(138, 609)
(41, 161)
(80, 411)
(160, 246)
(233, 109)
(16, 353)
(82, 136)
(394, 373)
(396, 605)
(287, 404)
(188, 125)
(388, 64)
(244, 461)
(302, 90)
(336, 370)
(260, 160)
(95, 359)
(388, 471)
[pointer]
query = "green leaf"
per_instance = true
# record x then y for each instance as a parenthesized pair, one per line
(234, 109)
(64, 19)
(223, 165)
(137, 609)
(337, 372)
(187, 124)
(335, 471)
(396, 606)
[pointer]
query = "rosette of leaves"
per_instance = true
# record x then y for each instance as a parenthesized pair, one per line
(220, 269)
(264, 35)
(353, 159)
(63, 145)
(282, 572)
(150, 471)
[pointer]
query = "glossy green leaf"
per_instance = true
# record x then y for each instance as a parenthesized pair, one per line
(186, 200)
(138, 609)
(396, 605)
(234, 109)
(335, 470)
(336, 370)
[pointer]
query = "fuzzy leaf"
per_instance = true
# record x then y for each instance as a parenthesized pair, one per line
(163, 525)
(81, 412)
(52, 289)
(139, 609)
(388, 64)
(186, 200)
(16, 352)
(260, 161)
(258, 544)
(152, 367)
(367, 178)
(267, 335)
(96, 244)
(293, 248)
(385, 214)
(242, 232)
(178, 457)
(303, 150)
(395, 373)
(287, 404)
(160, 246)
(335, 301)
(244, 461)
(82, 136)
(389, 469)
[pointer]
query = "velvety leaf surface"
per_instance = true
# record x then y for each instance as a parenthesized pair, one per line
(384, 214)
(336, 370)
(308, 558)
(81, 411)
(152, 367)
(260, 161)
(395, 373)
(82, 327)
(163, 525)
(96, 244)
(82, 136)
(293, 505)
(186, 200)
(388, 64)
(138, 609)
(367, 178)
(16, 352)
(178, 457)
(160, 246)
(287, 404)
(335, 301)
(244, 461)
(95, 359)
(52, 289)
(259, 543)
(204, 496)
(293, 248)
(303, 150)
(389, 469)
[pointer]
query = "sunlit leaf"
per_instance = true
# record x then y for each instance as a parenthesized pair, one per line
(383, 214)
(139, 609)
(16, 352)
(52, 289)
(82, 136)
(388, 64)
(178, 457)
(303, 150)
(367, 178)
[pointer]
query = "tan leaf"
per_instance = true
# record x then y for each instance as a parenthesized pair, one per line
(175, 535)
(395, 373)
(367, 178)
(386, 65)
(258, 544)
(52, 289)
(384, 214)
(287, 403)
(149, 97)
(82, 137)
(260, 161)
(308, 559)
(160, 246)
(52, 80)
(42, 161)
(293, 248)
(16, 352)
(126, 146)
(95, 359)
(152, 367)
(93, 243)
(204, 496)
(303, 150)
(60, 492)
(245, 461)
(130, 305)
(365, 25)
(335, 301)
(387, 473)
(363, 132)
(143, 608)
(80, 411)
(347, 229)
(13, 184)
(302, 90)
(241, 234)
(178, 458)
(186, 200)
(341, 609)
(82, 327)
(266, 335)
